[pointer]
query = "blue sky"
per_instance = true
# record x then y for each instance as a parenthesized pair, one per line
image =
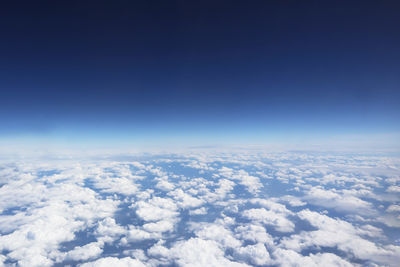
(199, 73)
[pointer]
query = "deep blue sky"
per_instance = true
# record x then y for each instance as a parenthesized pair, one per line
(199, 71)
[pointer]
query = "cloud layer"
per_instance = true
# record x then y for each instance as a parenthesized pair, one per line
(201, 209)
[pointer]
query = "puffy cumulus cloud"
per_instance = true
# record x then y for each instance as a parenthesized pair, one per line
(160, 252)
(160, 226)
(224, 186)
(185, 200)
(156, 209)
(292, 201)
(272, 206)
(136, 253)
(61, 210)
(218, 190)
(190, 209)
(341, 235)
(252, 183)
(114, 177)
(255, 254)
(276, 219)
(194, 252)
(2, 260)
(112, 261)
(199, 211)
(157, 171)
(218, 233)
(136, 234)
(165, 185)
(342, 180)
(339, 201)
(199, 164)
(393, 208)
(391, 220)
(86, 252)
(271, 213)
(254, 233)
(108, 230)
(393, 189)
(160, 215)
(118, 185)
(290, 258)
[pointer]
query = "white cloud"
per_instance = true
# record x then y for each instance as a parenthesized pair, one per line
(156, 209)
(165, 185)
(111, 261)
(2, 260)
(341, 235)
(160, 226)
(342, 202)
(290, 258)
(255, 254)
(254, 233)
(57, 212)
(199, 211)
(185, 200)
(195, 252)
(277, 220)
(118, 185)
(272, 206)
(218, 233)
(46, 203)
(108, 230)
(393, 189)
(224, 186)
(86, 252)
(293, 201)
(252, 183)
(136, 234)
(393, 208)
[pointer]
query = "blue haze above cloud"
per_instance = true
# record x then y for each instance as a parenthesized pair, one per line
(198, 73)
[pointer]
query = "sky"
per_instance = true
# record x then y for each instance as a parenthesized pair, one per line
(199, 72)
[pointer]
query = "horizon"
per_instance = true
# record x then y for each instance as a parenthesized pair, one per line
(179, 133)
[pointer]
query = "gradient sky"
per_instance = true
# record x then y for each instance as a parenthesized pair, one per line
(200, 72)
